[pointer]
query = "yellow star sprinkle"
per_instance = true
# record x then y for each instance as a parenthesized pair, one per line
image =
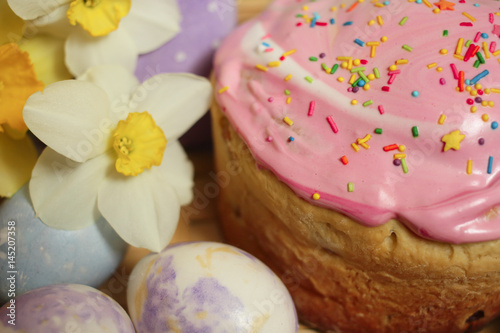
(452, 140)
(445, 5)
(98, 17)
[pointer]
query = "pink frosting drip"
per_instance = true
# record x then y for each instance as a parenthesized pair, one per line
(437, 198)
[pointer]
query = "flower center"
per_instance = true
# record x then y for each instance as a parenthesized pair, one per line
(91, 3)
(98, 17)
(138, 143)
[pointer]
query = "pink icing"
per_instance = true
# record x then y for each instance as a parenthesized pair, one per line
(436, 198)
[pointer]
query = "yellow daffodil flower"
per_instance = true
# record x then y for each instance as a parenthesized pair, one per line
(113, 150)
(103, 31)
(23, 67)
(17, 153)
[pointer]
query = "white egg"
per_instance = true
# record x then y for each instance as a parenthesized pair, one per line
(208, 287)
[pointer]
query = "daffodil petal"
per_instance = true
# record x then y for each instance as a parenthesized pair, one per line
(55, 24)
(178, 171)
(31, 9)
(17, 159)
(84, 51)
(64, 193)
(11, 25)
(143, 210)
(152, 23)
(176, 101)
(118, 84)
(47, 55)
(72, 117)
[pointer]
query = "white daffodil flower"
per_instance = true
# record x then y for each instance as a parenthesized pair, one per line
(102, 31)
(113, 150)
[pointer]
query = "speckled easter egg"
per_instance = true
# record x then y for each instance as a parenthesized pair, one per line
(39, 255)
(204, 24)
(208, 287)
(71, 308)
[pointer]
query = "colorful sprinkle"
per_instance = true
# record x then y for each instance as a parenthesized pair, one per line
(460, 45)
(312, 106)
(378, 131)
(407, 48)
(404, 166)
(442, 119)
(479, 76)
(454, 71)
(262, 68)
(332, 124)
(316, 196)
(359, 42)
(414, 131)
(222, 90)
(469, 16)
(309, 79)
(344, 160)
(461, 76)
(334, 69)
(288, 121)
(490, 164)
(390, 147)
(469, 167)
(350, 187)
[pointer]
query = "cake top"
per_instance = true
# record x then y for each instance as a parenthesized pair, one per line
(377, 109)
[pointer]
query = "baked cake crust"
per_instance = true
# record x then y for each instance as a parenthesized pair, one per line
(346, 277)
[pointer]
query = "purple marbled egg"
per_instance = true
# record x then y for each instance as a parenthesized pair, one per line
(206, 287)
(204, 24)
(64, 308)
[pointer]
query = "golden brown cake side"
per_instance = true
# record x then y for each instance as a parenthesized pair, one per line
(345, 277)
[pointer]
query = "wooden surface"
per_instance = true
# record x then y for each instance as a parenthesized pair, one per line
(202, 224)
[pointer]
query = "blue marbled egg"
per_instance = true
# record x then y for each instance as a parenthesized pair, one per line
(66, 308)
(37, 255)
(208, 287)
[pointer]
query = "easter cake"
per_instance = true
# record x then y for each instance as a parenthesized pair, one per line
(355, 146)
